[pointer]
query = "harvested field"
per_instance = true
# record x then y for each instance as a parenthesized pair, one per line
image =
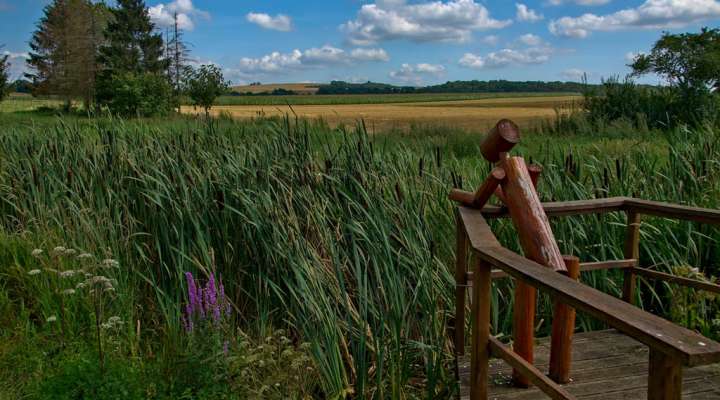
(466, 114)
(300, 88)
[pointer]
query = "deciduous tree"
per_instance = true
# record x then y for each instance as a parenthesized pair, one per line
(204, 85)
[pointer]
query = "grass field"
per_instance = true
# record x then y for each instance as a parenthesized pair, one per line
(341, 239)
(475, 112)
(299, 88)
(18, 102)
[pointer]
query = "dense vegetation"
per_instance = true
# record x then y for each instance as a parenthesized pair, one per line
(502, 86)
(341, 240)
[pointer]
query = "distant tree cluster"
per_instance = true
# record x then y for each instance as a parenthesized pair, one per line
(109, 57)
(501, 86)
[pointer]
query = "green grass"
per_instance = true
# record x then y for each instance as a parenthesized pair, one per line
(17, 103)
(344, 240)
(369, 98)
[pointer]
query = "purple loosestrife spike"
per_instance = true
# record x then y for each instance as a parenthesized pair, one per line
(192, 293)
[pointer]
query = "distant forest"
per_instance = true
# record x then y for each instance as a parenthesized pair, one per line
(501, 86)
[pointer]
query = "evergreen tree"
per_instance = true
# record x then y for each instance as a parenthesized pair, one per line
(132, 45)
(64, 49)
(177, 55)
(4, 76)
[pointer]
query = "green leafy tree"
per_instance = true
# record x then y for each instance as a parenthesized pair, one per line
(204, 85)
(690, 63)
(133, 81)
(63, 58)
(688, 60)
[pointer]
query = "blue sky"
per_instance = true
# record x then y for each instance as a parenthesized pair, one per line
(406, 41)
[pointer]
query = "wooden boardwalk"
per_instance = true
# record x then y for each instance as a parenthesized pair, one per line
(606, 365)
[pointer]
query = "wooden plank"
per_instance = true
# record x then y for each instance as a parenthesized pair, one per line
(691, 348)
(675, 211)
(460, 286)
(527, 369)
(483, 193)
(482, 295)
(664, 377)
(563, 327)
(632, 250)
(566, 208)
(693, 283)
(584, 267)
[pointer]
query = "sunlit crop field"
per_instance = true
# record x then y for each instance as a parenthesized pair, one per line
(18, 103)
(386, 112)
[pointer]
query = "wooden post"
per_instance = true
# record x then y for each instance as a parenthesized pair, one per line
(482, 194)
(665, 377)
(480, 357)
(460, 285)
(539, 245)
(632, 251)
(563, 327)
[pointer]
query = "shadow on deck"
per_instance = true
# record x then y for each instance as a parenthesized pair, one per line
(606, 365)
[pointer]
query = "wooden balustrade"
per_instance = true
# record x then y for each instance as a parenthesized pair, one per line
(671, 346)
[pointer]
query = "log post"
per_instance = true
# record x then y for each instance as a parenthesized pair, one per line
(460, 285)
(632, 251)
(664, 377)
(480, 358)
(563, 327)
(482, 194)
(539, 245)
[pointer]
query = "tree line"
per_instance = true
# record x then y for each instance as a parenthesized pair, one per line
(114, 59)
(474, 86)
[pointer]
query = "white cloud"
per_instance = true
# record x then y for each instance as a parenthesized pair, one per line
(163, 14)
(279, 22)
(530, 40)
(652, 14)
(278, 63)
(435, 21)
(573, 74)
(579, 2)
(507, 57)
(527, 15)
(490, 40)
(415, 74)
(17, 62)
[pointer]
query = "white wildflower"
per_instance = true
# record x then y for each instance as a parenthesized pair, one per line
(67, 274)
(110, 263)
(80, 285)
(37, 252)
(51, 318)
(68, 292)
(84, 256)
(34, 272)
(70, 252)
(59, 250)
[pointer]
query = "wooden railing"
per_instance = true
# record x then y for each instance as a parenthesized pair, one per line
(671, 346)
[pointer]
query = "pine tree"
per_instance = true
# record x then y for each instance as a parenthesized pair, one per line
(64, 49)
(132, 45)
(4, 76)
(178, 55)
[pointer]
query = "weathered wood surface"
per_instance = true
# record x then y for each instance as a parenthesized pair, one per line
(584, 267)
(693, 283)
(606, 366)
(690, 348)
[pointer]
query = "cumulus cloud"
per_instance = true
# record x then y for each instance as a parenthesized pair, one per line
(163, 15)
(277, 62)
(416, 74)
(507, 57)
(436, 21)
(490, 40)
(279, 22)
(652, 14)
(530, 40)
(573, 74)
(579, 2)
(17, 62)
(525, 14)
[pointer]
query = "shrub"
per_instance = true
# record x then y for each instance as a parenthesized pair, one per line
(136, 95)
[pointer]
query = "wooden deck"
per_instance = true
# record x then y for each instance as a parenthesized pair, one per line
(606, 365)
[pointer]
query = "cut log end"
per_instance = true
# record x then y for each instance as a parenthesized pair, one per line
(501, 139)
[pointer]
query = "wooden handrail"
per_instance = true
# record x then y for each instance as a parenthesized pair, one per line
(584, 267)
(693, 283)
(689, 348)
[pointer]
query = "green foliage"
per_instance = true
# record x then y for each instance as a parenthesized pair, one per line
(342, 239)
(690, 61)
(500, 86)
(4, 78)
(132, 81)
(204, 85)
(133, 94)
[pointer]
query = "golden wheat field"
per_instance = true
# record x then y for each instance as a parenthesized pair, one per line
(466, 114)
